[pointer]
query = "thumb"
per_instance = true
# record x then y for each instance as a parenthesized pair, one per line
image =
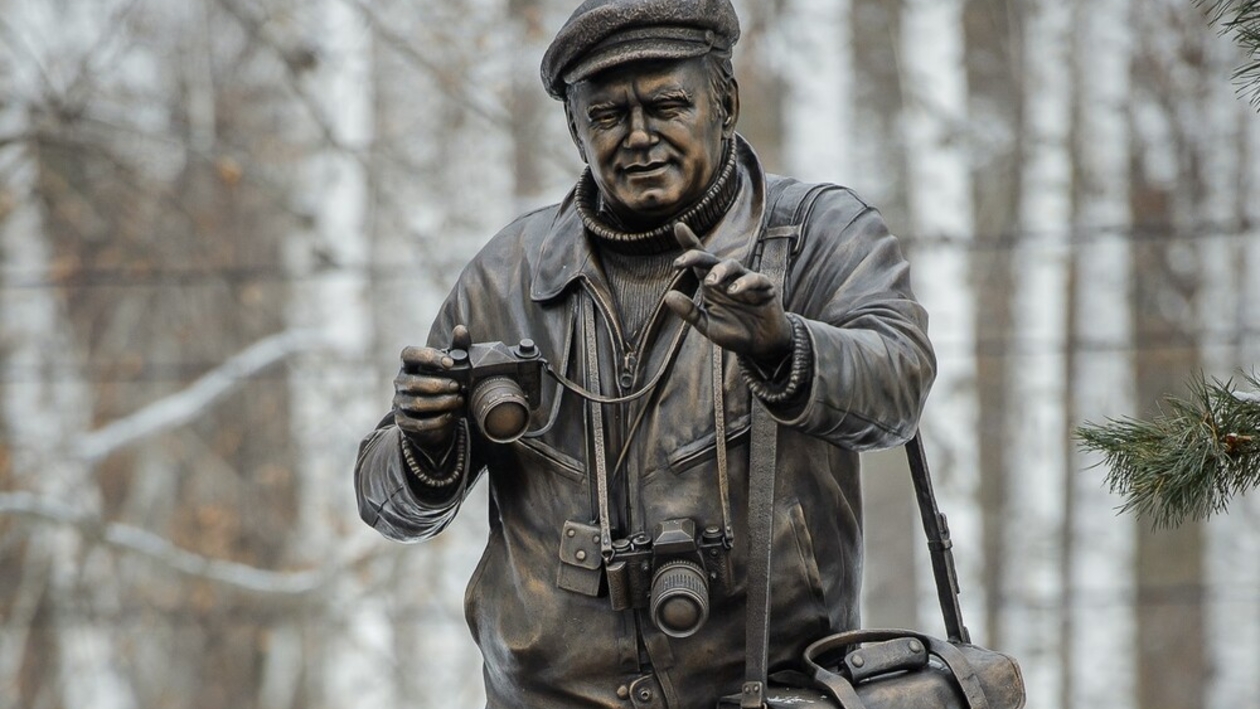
(461, 339)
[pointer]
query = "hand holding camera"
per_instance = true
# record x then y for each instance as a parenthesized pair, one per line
(494, 384)
(428, 398)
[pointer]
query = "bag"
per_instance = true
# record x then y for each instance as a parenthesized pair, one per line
(861, 669)
(882, 669)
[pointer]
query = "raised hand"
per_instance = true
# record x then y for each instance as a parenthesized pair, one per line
(428, 404)
(740, 310)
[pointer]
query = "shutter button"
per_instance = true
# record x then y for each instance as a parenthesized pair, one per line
(623, 692)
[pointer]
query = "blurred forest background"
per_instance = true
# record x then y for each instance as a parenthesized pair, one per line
(221, 220)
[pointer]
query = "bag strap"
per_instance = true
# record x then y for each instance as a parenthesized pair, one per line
(940, 547)
(776, 246)
(773, 257)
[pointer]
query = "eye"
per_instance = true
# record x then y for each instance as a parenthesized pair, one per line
(604, 118)
(670, 106)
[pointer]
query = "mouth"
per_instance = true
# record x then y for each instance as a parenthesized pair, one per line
(646, 169)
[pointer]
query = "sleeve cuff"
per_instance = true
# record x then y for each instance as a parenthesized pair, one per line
(436, 472)
(791, 378)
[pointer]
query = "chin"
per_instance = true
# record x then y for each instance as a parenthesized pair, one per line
(654, 203)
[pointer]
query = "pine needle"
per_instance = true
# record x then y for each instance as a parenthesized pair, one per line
(1242, 18)
(1189, 461)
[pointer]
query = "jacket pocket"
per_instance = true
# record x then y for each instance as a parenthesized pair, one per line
(808, 563)
(535, 453)
(705, 448)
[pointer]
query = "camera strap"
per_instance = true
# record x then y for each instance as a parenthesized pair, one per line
(600, 452)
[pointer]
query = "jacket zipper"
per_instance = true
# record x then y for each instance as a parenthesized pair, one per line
(621, 349)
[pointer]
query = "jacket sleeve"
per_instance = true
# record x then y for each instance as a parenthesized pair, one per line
(392, 499)
(872, 364)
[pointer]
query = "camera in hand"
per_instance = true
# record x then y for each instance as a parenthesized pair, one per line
(503, 383)
(670, 574)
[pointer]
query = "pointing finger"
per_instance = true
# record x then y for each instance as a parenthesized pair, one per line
(686, 237)
(750, 282)
(702, 260)
(724, 272)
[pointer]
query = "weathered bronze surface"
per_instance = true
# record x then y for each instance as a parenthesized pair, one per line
(613, 575)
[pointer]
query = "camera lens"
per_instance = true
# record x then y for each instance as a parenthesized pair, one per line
(680, 598)
(499, 407)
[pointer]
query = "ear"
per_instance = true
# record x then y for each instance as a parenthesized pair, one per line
(730, 106)
(573, 132)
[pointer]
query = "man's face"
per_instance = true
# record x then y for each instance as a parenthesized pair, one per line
(652, 134)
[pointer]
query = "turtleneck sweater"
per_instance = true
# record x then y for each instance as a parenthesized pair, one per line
(640, 265)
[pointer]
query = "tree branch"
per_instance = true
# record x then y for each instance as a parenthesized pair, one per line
(152, 546)
(182, 407)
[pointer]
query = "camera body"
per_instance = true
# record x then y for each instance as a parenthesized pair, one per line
(504, 383)
(670, 573)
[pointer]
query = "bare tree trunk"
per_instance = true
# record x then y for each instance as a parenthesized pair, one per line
(47, 407)
(1035, 451)
(350, 664)
(939, 188)
(1099, 547)
(815, 37)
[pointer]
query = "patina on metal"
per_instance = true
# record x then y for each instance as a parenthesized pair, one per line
(615, 571)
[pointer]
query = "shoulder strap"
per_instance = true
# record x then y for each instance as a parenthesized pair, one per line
(940, 547)
(774, 251)
(777, 244)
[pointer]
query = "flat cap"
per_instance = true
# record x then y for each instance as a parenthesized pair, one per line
(602, 34)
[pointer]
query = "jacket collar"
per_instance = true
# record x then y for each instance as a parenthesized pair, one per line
(566, 255)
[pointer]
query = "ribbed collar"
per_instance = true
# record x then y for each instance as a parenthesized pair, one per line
(701, 216)
(566, 252)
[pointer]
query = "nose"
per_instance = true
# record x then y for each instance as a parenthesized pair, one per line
(640, 133)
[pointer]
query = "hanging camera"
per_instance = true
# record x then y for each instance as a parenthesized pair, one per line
(670, 574)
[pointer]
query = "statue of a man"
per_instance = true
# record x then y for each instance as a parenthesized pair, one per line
(642, 292)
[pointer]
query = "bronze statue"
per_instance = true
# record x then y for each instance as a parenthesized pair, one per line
(621, 336)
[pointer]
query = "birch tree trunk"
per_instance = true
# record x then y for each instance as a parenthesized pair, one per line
(44, 409)
(352, 661)
(1099, 546)
(942, 224)
(815, 37)
(47, 406)
(1035, 452)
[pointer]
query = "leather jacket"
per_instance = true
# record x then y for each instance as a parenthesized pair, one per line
(546, 647)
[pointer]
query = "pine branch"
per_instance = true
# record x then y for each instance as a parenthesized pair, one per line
(1189, 461)
(1242, 18)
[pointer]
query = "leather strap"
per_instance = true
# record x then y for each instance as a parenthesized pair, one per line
(940, 547)
(962, 670)
(719, 442)
(776, 246)
(839, 688)
(761, 474)
(600, 452)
